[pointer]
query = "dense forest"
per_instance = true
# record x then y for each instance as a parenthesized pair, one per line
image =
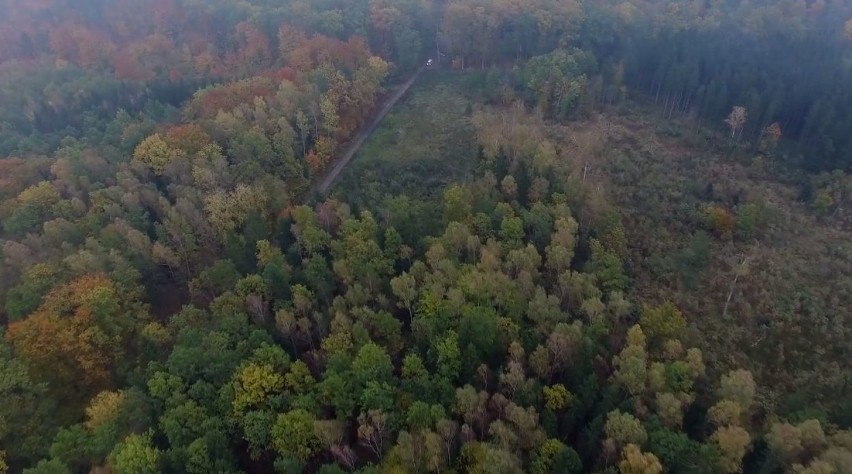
(176, 297)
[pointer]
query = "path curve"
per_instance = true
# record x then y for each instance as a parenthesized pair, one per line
(356, 143)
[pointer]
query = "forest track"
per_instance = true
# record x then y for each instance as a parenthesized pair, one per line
(356, 142)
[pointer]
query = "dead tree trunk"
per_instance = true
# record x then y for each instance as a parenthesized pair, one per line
(739, 271)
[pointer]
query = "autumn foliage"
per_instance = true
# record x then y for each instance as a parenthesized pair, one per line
(190, 138)
(174, 299)
(719, 220)
(75, 338)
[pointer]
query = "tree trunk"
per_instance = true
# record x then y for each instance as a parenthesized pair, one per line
(743, 261)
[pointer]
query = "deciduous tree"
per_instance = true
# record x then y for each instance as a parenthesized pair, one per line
(293, 435)
(632, 363)
(155, 153)
(136, 454)
(738, 386)
(623, 428)
(733, 443)
(737, 120)
(634, 461)
(76, 339)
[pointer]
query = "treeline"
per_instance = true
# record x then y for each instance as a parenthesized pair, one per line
(66, 71)
(694, 58)
(786, 62)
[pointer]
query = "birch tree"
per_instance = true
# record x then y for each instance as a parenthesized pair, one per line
(736, 120)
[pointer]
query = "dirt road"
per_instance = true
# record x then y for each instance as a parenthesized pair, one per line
(358, 140)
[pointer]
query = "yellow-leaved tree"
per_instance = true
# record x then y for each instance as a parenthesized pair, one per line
(155, 153)
(103, 408)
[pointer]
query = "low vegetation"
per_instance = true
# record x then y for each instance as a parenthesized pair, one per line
(424, 144)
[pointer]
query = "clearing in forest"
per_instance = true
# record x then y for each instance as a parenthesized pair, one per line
(424, 143)
(719, 229)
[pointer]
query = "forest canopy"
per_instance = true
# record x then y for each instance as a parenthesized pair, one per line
(176, 297)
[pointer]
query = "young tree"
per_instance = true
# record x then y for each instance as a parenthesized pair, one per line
(373, 431)
(472, 406)
(404, 288)
(736, 120)
(560, 251)
(448, 431)
(457, 204)
(632, 363)
(770, 137)
(329, 433)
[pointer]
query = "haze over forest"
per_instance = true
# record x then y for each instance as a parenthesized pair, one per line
(426, 236)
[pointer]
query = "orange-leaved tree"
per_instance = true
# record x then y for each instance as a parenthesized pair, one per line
(77, 339)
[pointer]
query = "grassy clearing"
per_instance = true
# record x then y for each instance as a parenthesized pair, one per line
(426, 142)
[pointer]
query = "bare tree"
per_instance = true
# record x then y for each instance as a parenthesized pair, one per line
(344, 455)
(740, 270)
(372, 431)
